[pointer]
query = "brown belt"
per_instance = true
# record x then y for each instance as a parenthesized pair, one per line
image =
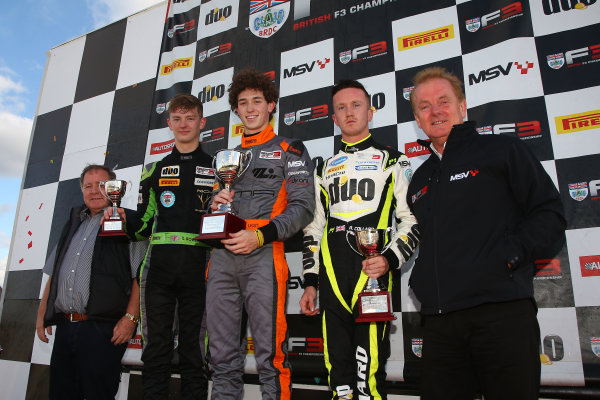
(75, 317)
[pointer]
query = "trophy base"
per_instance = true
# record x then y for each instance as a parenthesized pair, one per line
(374, 307)
(112, 227)
(217, 226)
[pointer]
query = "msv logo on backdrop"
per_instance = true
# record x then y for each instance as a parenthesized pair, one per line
(267, 16)
(307, 68)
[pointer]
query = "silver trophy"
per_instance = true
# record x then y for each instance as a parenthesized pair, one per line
(113, 190)
(229, 166)
(374, 302)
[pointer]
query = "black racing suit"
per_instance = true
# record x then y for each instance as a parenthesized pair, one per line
(174, 193)
(362, 186)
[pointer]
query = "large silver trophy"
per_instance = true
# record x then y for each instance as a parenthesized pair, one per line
(374, 302)
(113, 190)
(229, 166)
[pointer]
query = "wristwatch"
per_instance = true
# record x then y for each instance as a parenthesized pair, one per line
(133, 318)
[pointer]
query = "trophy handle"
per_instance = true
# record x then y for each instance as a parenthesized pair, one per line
(350, 244)
(387, 246)
(247, 160)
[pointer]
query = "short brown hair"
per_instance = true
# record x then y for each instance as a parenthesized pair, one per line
(249, 78)
(185, 101)
(436, 73)
(92, 167)
(350, 84)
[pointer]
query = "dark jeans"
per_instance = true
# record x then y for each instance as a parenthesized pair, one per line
(84, 363)
(492, 349)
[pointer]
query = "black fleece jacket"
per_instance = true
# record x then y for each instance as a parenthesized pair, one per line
(488, 202)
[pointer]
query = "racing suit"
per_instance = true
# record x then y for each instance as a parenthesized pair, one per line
(274, 195)
(362, 186)
(174, 193)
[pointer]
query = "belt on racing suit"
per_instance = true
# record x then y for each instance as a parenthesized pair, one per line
(185, 238)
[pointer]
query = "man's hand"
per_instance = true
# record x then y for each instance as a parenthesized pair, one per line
(223, 197)
(242, 242)
(307, 301)
(41, 331)
(109, 211)
(375, 267)
(123, 331)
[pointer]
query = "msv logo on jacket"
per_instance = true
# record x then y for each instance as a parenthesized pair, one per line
(463, 175)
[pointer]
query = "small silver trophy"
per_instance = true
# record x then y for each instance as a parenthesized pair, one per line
(113, 190)
(375, 303)
(229, 166)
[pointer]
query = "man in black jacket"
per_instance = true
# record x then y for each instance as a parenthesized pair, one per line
(486, 210)
(91, 297)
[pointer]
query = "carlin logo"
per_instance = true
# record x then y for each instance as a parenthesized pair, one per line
(417, 346)
(270, 155)
(211, 93)
(182, 28)
(572, 57)
(162, 147)
(427, 37)
(304, 68)
(307, 115)
(555, 61)
(595, 343)
(345, 56)
(406, 92)
(179, 63)
(495, 72)
(553, 6)
(590, 265)
(267, 16)
(364, 52)
(577, 122)
(218, 14)
(509, 12)
(214, 52)
(473, 24)
(578, 191)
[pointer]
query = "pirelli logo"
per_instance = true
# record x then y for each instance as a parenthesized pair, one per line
(578, 122)
(179, 63)
(168, 182)
(427, 37)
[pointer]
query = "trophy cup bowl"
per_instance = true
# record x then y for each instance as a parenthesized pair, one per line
(375, 303)
(229, 166)
(113, 190)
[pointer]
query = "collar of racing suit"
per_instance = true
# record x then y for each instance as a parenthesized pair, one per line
(360, 145)
(259, 138)
(185, 156)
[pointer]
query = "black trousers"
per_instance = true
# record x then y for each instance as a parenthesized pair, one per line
(173, 275)
(491, 349)
(84, 363)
